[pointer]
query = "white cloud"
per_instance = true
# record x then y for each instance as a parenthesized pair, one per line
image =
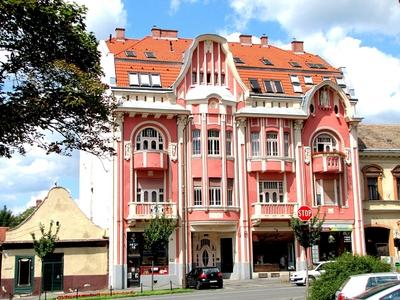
(104, 16)
(326, 28)
(175, 4)
(299, 16)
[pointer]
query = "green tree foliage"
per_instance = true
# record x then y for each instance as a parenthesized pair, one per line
(338, 271)
(50, 80)
(157, 233)
(47, 242)
(7, 219)
(307, 233)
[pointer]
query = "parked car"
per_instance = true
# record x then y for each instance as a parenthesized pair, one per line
(204, 277)
(299, 277)
(357, 284)
(385, 291)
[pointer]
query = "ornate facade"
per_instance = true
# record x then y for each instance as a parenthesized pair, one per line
(228, 139)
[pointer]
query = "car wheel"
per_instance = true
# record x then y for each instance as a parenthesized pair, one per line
(198, 285)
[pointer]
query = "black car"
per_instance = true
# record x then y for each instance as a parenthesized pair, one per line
(204, 277)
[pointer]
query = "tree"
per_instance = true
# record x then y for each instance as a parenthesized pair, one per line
(47, 242)
(156, 236)
(25, 214)
(7, 219)
(50, 80)
(307, 234)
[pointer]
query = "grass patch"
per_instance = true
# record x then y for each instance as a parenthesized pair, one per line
(117, 295)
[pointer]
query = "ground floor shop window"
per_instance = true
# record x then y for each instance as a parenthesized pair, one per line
(273, 251)
(377, 241)
(332, 244)
(140, 259)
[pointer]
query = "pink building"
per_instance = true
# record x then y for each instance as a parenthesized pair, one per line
(229, 139)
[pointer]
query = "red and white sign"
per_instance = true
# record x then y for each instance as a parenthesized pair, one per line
(304, 213)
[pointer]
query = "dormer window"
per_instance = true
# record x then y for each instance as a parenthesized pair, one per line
(130, 53)
(237, 60)
(325, 143)
(134, 79)
(296, 84)
(266, 62)
(149, 54)
(295, 64)
(308, 80)
(155, 80)
(340, 82)
(255, 87)
(144, 79)
(273, 86)
(316, 66)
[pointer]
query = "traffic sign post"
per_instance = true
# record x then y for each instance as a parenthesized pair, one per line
(304, 213)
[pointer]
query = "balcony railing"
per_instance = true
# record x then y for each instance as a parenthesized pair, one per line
(273, 210)
(149, 210)
(150, 160)
(327, 162)
(269, 164)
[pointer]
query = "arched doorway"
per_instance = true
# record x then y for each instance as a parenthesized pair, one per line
(377, 241)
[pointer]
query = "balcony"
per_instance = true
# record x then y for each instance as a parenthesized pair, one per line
(149, 210)
(150, 160)
(271, 211)
(327, 162)
(269, 164)
(381, 206)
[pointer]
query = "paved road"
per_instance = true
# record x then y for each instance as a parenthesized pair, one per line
(237, 290)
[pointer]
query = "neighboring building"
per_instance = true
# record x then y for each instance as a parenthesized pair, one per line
(2, 237)
(78, 262)
(380, 185)
(228, 139)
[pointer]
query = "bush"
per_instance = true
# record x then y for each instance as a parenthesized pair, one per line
(338, 271)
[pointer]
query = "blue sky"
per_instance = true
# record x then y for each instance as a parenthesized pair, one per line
(363, 36)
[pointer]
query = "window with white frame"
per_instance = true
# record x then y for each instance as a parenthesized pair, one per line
(308, 80)
(229, 200)
(324, 143)
(196, 142)
(286, 144)
(327, 191)
(214, 192)
(155, 80)
(150, 190)
(149, 139)
(229, 143)
(197, 200)
(213, 142)
(272, 144)
(134, 79)
(255, 143)
(270, 191)
(144, 79)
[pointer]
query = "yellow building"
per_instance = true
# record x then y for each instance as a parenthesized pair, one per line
(78, 262)
(380, 185)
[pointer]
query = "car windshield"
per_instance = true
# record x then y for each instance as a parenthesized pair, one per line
(210, 270)
(377, 289)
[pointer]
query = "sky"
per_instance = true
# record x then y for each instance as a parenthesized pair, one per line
(362, 36)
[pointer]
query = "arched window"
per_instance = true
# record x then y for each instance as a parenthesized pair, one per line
(372, 182)
(325, 143)
(149, 139)
(396, 182)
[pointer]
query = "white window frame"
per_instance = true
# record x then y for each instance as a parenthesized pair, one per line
(144, 79)
(155, 80)
(229, 193)
(320, 195)
(255, 143)
(134, 79)
(158, 192)
(272, 143)
(308, 80)
(327, 141)
(286, 144)
(297, 88)
(294, 79)
(228, 143)
(158, 139)
(196, 142)
(268, 188)
(197, 200)
(213, 142)
(215, 194)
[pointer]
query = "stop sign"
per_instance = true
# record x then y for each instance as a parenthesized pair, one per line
(304, 213)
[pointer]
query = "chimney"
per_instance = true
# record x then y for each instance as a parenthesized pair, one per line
(38, 202)
(167, 34)
(297, 46)
(120, 34)
(264, 40)
(245, 39)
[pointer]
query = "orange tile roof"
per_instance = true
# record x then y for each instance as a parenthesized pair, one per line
(169, 59)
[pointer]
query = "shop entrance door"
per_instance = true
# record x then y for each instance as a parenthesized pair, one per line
(226, 255)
